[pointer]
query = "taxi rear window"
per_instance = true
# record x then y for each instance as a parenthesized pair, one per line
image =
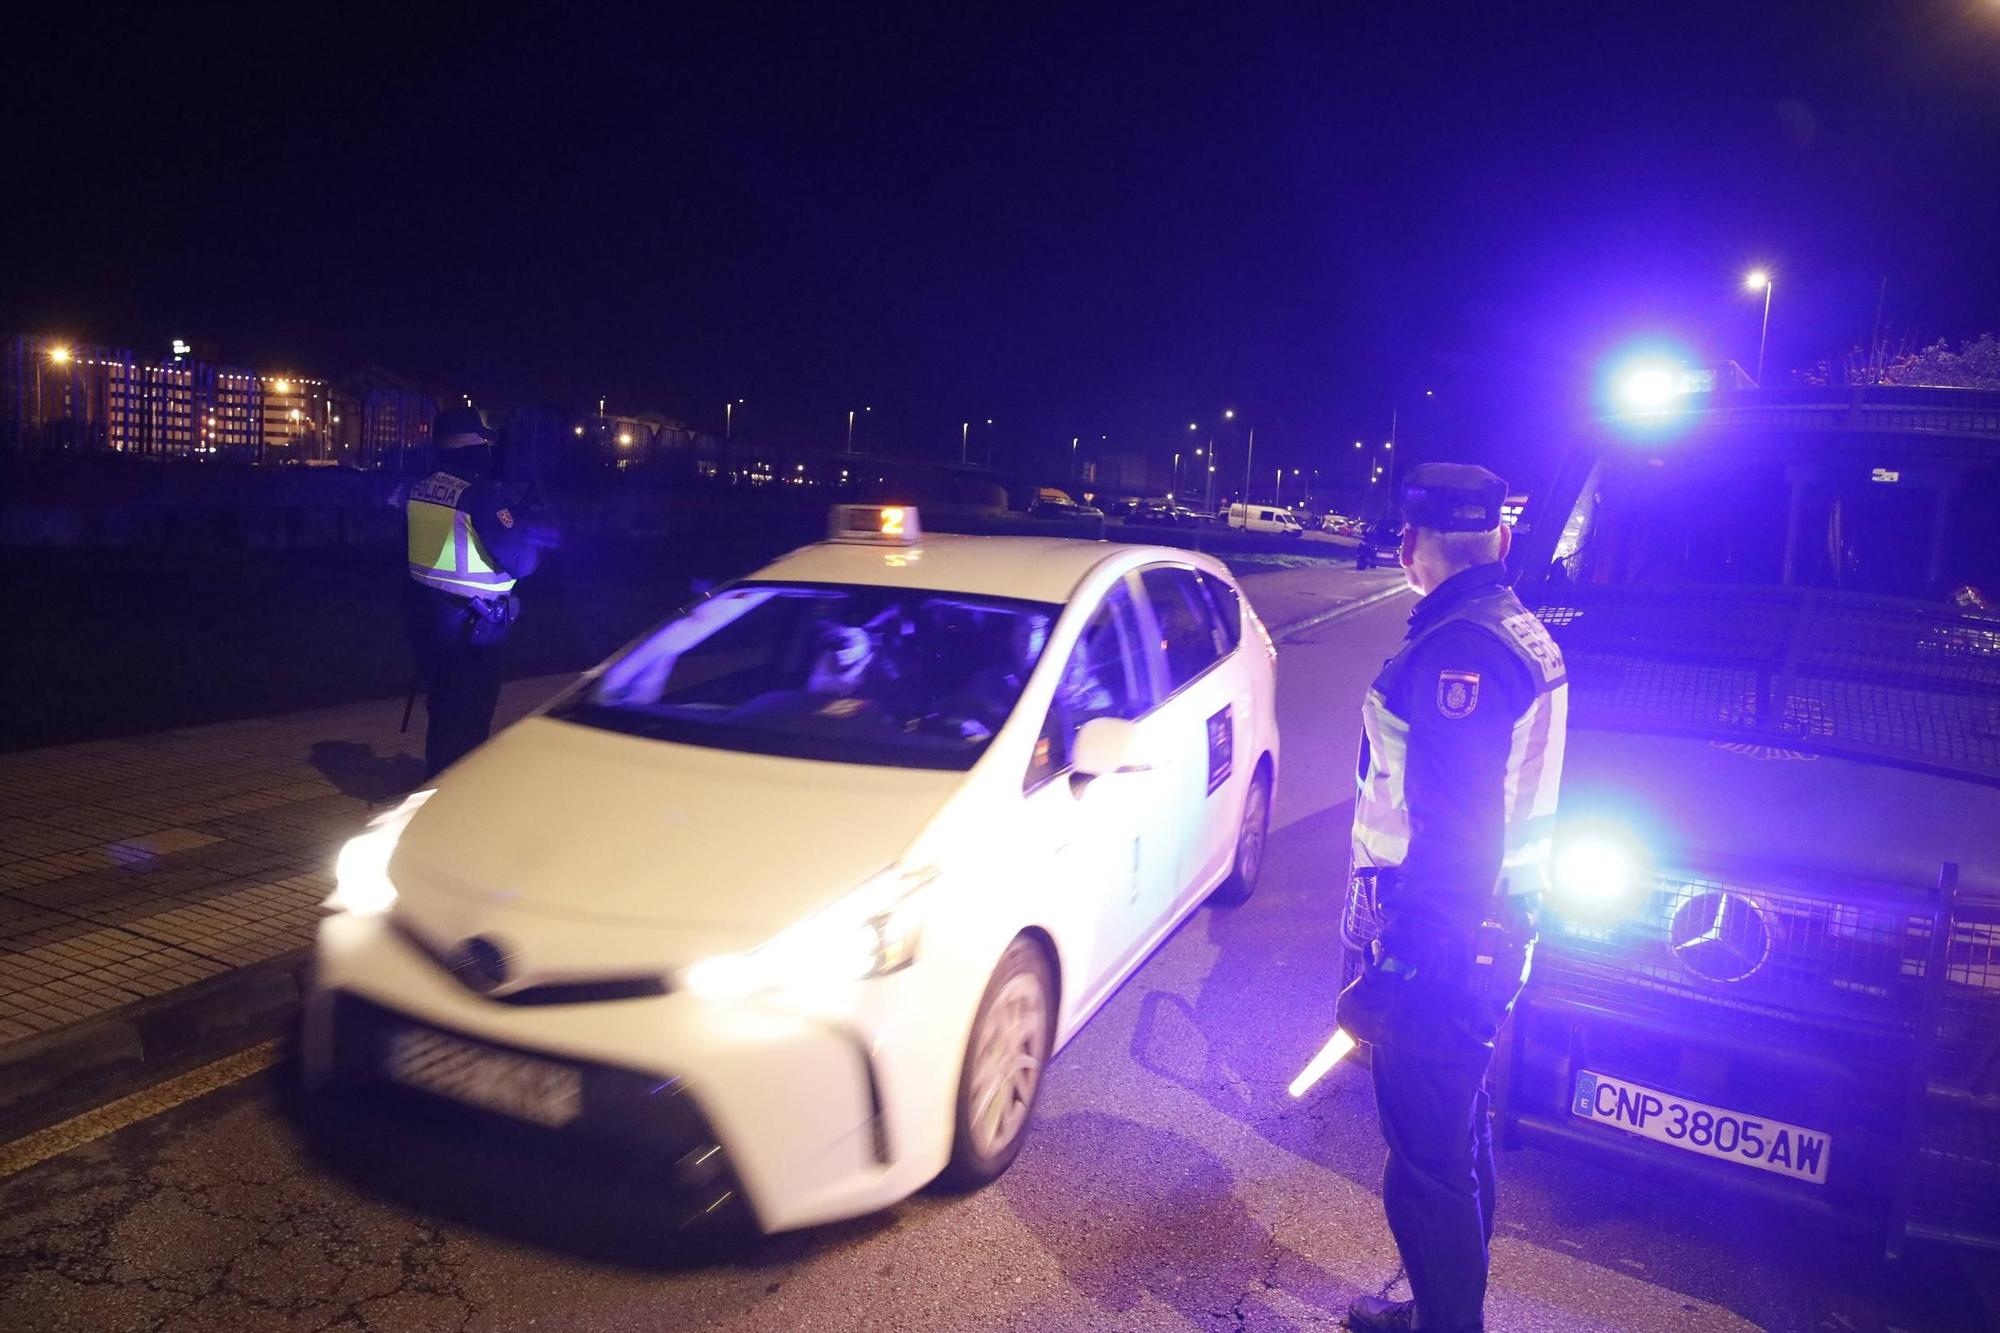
(851, 674)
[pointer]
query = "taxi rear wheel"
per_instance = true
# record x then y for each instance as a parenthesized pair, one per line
(1251, 835)
(1005, 1056)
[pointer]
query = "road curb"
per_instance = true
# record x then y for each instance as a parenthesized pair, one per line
(48, 1079)
(1345, 609)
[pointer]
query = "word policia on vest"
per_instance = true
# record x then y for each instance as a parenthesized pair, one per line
(446, 552)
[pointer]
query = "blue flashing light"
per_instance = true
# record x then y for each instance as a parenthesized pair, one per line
(1649, 388)
(1645, 388)
(1598, 873)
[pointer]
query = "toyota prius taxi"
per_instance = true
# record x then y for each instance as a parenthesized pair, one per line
(797, 895)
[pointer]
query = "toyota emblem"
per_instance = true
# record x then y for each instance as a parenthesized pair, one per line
(480, 965)
(1720, 936)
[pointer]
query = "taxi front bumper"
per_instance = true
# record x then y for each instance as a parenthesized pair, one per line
(800, 1104)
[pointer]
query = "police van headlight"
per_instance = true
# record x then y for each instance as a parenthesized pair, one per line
(1597, 873)
(871, 932)
(361, 884)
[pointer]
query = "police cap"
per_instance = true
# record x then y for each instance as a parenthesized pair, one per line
(455, 423)
(1453, 497)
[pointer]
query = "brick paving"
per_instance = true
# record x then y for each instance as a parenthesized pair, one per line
(130, 868)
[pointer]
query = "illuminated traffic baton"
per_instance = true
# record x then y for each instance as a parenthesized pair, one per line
(1331, 1054)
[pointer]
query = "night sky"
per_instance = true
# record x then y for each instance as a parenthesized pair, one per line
(1085, 222)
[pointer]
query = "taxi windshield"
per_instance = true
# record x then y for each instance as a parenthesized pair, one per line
(851, 674)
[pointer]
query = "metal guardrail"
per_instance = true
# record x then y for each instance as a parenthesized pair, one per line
(1869, 407)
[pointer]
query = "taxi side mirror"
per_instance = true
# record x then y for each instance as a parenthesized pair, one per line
(1107, 745)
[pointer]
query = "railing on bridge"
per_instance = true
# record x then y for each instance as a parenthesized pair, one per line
(1862, 407)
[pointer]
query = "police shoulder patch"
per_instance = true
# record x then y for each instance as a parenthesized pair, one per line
(506, 518)
(1458, 693)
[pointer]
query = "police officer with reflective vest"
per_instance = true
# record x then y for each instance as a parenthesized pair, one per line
(1461, 757)
(469, 541)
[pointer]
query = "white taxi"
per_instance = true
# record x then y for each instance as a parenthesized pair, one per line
(803, 888)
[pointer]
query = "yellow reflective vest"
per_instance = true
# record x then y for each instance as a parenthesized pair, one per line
(444, 546)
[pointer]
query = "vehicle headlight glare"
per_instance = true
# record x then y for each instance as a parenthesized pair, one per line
(870, 933)
(361, 885)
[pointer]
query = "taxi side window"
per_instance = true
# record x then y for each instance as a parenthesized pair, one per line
(1228, 609)
(1191, 636)
(1105, 676)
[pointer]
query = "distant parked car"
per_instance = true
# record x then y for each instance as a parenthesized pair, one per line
(1381, 544)
(1189, 518)
(1121, 506)
(1049, 507)
(1153, 514)
(1265, 518)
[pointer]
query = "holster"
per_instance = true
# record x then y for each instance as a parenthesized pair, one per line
(1452, 989)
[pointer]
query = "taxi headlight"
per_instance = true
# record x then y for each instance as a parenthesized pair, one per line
(361, 884)
(871, 932)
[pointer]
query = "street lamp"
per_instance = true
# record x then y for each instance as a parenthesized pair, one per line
(1760, 278)
(850, 427)
(964, 441)
(59, 355)
(729, 417)
(1072, 453)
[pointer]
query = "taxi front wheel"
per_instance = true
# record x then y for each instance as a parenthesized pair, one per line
(1250, 836)
(1002, 1073)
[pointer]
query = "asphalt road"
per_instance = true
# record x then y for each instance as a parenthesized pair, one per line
(1170, 1183)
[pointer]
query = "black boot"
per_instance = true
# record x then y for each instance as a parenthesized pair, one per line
(1378, 1314)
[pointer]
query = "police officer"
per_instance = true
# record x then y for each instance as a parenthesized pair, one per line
(469, 541)
(1460, 761)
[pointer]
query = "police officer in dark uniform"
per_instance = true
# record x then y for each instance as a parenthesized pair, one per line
(1460, 762)
(470, 540)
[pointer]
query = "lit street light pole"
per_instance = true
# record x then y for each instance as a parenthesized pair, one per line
(1760, 278)
(1072, 453)
(850, 426)
(964, 441)
(729, 417)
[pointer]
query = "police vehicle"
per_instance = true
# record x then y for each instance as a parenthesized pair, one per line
(1770, 955)
(800, 892)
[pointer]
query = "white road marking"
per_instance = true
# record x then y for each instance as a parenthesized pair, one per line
(92, 1125)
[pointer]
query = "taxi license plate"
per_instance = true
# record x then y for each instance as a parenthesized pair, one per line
(1768, 1145)
(539, 1091)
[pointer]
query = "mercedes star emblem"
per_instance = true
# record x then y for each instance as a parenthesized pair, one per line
(1720, 936)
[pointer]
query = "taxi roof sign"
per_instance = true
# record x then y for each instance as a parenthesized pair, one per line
(875, 525)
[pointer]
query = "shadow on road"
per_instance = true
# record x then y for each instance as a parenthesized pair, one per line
(1266, 1005)
(1128, 1210)
(359, 772)
(518, 1185)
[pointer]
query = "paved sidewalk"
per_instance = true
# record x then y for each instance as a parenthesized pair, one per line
(145, 881)
(139, 869)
